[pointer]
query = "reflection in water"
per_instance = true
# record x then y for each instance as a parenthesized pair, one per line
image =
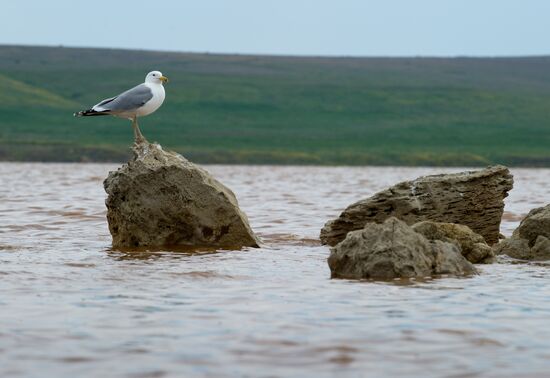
(71, 306)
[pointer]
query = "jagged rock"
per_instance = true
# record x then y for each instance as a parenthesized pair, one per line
(394, 250)
(471, 245)
(531, 240)
(161, 199)
(474, 199)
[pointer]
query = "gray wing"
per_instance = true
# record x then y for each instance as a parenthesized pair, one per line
(129, 100)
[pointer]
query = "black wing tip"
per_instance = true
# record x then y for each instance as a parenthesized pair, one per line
(84, 113)
(88, 113)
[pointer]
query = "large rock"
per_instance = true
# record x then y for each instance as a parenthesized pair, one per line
(531, 240)
(472, 246)
(394, 250)
(159, 199)
(474, 199)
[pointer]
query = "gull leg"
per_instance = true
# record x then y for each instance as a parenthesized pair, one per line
(138, 136)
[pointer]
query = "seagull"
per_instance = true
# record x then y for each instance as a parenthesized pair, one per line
(139, 101)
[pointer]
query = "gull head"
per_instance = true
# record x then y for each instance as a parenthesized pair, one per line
(156, 77)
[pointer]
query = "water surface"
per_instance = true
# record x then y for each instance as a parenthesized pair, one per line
(72, 307)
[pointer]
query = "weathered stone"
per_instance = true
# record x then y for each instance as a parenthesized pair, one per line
(530, 241)
(161, 199)
(516, 248)
(474, 199)
(471, 245)
(541, 249)
(394, 250)
(536, 223)
(481, 253)
(448, 260)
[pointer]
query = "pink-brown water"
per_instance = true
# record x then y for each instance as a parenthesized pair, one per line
(71, 307)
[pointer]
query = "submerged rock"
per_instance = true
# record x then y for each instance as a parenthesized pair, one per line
(473, 198)
(472, 246)
(161, 199)
(531, 240)
(394, 250)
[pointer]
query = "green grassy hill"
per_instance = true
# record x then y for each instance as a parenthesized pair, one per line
(265, 109)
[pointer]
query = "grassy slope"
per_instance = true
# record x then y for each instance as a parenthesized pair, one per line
(250, 109)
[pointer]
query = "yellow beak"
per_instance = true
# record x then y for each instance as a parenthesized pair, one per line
(164, 79)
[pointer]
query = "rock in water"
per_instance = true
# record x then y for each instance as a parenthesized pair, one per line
(471, 245)
(516, 248)
(531, 240)
(535, 224)
(474, 199)
(394, 250)
(161, 199)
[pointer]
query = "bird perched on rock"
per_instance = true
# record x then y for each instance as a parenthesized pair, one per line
(139, 101)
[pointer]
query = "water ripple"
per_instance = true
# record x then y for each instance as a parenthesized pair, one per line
(72, 306)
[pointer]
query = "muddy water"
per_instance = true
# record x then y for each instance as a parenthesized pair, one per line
(71, 307)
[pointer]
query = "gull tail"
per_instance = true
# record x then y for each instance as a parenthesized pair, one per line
(90, 112)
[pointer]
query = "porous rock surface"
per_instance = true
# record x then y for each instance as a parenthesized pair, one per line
(472, 246)
(161, 199)
(472, 198)
(394, 250)
(531, 240)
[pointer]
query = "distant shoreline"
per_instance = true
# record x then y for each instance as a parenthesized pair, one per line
(297, 56)
(63, 153)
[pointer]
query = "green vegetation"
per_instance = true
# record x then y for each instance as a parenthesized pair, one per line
(288, 110)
